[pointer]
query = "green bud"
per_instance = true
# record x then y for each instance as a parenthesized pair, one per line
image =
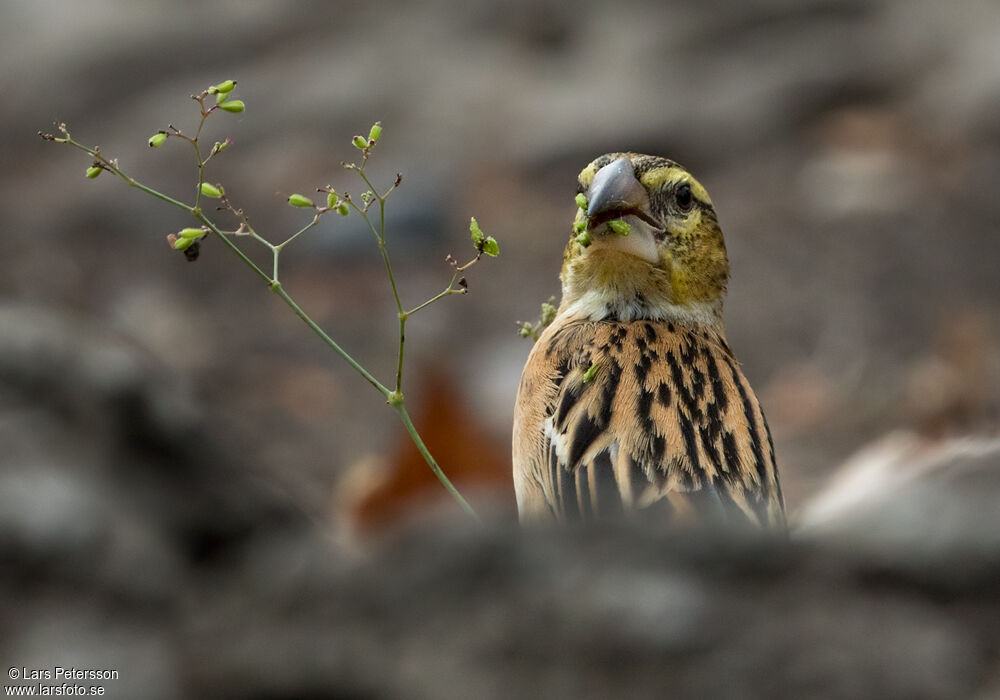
(622, 228)
(93, 171)
(590, 373)
(156, 140)
(367, 196)
(224, 87)
(300, 200)
(183, 243)
(331, 199)
(584, 239)
(491, 247)
(477, 233)
(526, 330)
(360, 142)
(343, 209)
(581, 201)
(191, 232)
(579, 226)
(376, 132)
(548, 313)
(210, 190)
(234, 106)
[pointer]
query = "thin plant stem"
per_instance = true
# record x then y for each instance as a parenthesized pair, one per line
(449, 290)
(286, 297)
(429, 458)
(394, 398)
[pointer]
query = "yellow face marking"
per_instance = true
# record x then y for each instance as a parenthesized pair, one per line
(679, 284)
(656, 177)
(586, 176)
(682, 228)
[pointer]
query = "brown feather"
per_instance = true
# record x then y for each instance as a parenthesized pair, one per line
(667, 421)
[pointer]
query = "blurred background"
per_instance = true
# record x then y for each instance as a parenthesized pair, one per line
(178, 449)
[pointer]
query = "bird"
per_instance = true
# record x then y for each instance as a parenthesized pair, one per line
(631, 403)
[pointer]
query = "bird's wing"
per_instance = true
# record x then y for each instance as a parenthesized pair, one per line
(645, 416)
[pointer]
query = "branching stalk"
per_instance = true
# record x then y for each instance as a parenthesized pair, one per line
(395, 396)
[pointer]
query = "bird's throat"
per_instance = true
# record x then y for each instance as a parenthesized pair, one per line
(608, 283)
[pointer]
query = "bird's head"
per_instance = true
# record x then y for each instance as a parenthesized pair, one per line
(667, 261)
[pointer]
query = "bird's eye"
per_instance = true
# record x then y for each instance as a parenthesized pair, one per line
(684, 197)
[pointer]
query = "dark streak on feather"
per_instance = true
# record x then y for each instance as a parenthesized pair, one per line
(609, 498)
(642, 369)
(690, 444)
(650, 331)
(583, 436)
(697, 382)
(617, 336)
(659, 446)
(770, 448)
(583, 492)
(721, 400)
(554, 472)
(567, 494)
(644, 409)
(689, 351)
(755, 439)
(663, 394)
(731, 471)
(637, 478)
(711, 449)
(609, 387)
(571, 394)
(678, 376)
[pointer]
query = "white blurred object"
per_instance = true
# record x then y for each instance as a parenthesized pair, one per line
(878, 472)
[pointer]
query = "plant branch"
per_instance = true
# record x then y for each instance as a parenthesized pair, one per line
(442, 477)
(393, 397)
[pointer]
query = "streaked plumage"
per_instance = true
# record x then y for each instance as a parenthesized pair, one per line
(631, 401)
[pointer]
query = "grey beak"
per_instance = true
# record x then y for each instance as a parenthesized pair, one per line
(616, 189)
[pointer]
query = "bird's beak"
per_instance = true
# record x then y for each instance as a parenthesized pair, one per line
(615, 192)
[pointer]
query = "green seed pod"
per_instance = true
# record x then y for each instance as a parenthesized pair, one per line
(182, 243)
(156, 140)
(622, 228)
(343, 209)
(332, 199)
(580, 226)
(210, 190)
(300, 200)
(477, 233)
(93, 171)
(376, 132)
(224, 87)
(234, 106)
(491, 247)
(360, 142)
(548, 313)
(581, 201)
(589, 374)
(191, 232)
